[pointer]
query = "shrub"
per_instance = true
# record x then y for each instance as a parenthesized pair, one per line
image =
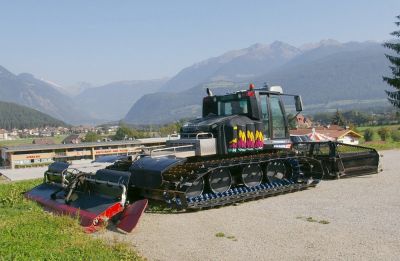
(368, 134)
(384, 133)
(92, 137)
(395, 135)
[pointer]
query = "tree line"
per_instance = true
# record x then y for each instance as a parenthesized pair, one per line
(128, 132)
(356, 118)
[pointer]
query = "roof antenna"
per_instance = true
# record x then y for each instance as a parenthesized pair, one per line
(209, 92)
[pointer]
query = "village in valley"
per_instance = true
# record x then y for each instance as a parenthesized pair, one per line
(380, 130)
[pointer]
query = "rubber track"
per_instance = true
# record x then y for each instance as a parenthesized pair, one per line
(238, 194)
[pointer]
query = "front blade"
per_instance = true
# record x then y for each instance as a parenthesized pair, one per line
(131, 215)
(91, 208)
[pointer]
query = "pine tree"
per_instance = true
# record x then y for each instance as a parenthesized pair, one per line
(394, 96)
(338, 119)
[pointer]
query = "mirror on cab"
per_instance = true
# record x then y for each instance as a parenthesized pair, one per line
(298, 103)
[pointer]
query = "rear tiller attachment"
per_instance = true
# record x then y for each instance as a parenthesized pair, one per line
(341, 160)
(94, 198)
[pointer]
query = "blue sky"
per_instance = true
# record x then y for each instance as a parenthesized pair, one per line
(103, 41)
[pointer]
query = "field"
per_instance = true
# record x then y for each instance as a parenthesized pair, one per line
(26, 141)
(29, 233)
(376, 142)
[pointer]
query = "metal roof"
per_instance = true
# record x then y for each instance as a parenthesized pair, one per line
(34, 147)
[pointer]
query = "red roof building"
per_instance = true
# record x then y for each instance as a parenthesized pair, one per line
(330, 133)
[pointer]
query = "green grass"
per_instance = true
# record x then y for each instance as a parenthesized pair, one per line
(16, 142)
(159, 208)
(27, 141)
(29, 233)
(379, 145)
(313, 220)
(376, 143)
(59, 138)
(3, 179)
(375, 128)
(232, 238)
(325, 222)
(222, 234)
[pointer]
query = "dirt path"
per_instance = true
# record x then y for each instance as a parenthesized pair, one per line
(363, 215)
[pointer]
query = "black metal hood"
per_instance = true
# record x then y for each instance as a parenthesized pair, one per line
(206, 124)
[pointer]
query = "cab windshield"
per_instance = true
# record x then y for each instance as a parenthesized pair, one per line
(233, 107)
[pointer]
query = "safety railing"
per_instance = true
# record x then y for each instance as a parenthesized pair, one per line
(172, 150)
(197, 136)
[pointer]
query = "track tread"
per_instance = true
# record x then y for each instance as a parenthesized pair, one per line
(210, 200)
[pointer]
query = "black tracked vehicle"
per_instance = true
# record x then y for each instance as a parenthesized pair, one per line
(239, 150)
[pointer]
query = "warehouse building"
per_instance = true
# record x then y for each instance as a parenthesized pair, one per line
(41, 155)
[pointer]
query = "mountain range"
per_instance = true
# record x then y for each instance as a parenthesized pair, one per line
(327, 74)
(112, 101)
(81, 105)
(234, 65)
(24, 89)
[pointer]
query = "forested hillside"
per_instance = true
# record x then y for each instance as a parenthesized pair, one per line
(20, 117)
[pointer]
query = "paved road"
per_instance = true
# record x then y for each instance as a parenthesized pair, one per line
(34, 173)
(363, 215)
(23, 174)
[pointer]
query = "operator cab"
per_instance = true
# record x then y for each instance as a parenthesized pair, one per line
(264, 105)
(239, 103)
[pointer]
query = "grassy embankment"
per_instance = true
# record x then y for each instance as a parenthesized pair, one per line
(376, 141)
(29, 233)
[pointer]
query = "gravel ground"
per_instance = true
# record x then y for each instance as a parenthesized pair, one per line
(363, 215)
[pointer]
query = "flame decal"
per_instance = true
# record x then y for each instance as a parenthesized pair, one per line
(259, 140)
(233, 144)
(242, 140)
(250, 139)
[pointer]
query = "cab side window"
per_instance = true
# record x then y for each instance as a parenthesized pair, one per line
(265, 116)
(278, 118)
